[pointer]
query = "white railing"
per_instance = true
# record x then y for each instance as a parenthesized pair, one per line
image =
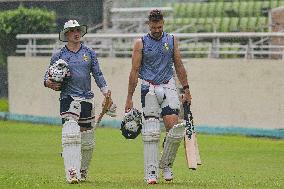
(212, 45)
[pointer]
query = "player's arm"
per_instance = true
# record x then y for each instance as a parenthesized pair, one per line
(98, 75)
(181, 72)
(107, 104)
(133, 76)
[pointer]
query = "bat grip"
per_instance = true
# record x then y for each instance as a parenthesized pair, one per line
(186, 108)
(189, 124)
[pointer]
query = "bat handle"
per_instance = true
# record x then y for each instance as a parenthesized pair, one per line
(189, 126)
(186, 107)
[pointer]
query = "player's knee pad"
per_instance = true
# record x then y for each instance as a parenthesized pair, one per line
(151, 137)
(87, 146)
(177, 131)
(171, 96)
(152, 107)
(151, 130)
(172, 142)
(71, 144)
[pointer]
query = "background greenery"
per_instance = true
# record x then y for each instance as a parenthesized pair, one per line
(22, 20)
(29, 158)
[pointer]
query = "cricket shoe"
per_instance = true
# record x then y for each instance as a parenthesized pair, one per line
(73, 179)
(152, 179)
(84, 174)
(152, 176)
(168, 174)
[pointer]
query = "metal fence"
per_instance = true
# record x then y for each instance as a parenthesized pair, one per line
(210, 45)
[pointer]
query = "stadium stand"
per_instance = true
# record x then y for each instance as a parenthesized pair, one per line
(209, 17)
(226, 16)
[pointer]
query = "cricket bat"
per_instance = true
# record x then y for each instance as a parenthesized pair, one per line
(190, 140)
(198, 159)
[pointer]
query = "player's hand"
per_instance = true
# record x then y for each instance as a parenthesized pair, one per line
(128, 105)
(107, 94)
(53, 85)
(186, 97)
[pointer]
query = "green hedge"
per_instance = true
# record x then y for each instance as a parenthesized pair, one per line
(22, 21)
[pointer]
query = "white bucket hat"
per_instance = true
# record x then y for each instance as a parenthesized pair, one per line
(71, 24)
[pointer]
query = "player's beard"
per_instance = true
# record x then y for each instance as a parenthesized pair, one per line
(157, 35)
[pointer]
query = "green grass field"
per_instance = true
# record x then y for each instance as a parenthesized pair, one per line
(29, 158)
(4, 107)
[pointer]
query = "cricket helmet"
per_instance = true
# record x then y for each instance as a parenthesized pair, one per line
(131, 124)
(59, 70)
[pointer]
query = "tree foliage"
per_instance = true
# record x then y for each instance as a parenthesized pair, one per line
(23, 21)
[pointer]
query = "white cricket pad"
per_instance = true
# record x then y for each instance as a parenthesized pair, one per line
(151, 138)
(87, 147)
(71, 144)
(173, 139)
(152, 107)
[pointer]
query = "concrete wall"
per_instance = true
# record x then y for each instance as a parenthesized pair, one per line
(245, 93)
(226, 93)
(28, 96)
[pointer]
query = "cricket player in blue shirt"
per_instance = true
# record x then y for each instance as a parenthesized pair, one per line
(75, 63)
(153, 58)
